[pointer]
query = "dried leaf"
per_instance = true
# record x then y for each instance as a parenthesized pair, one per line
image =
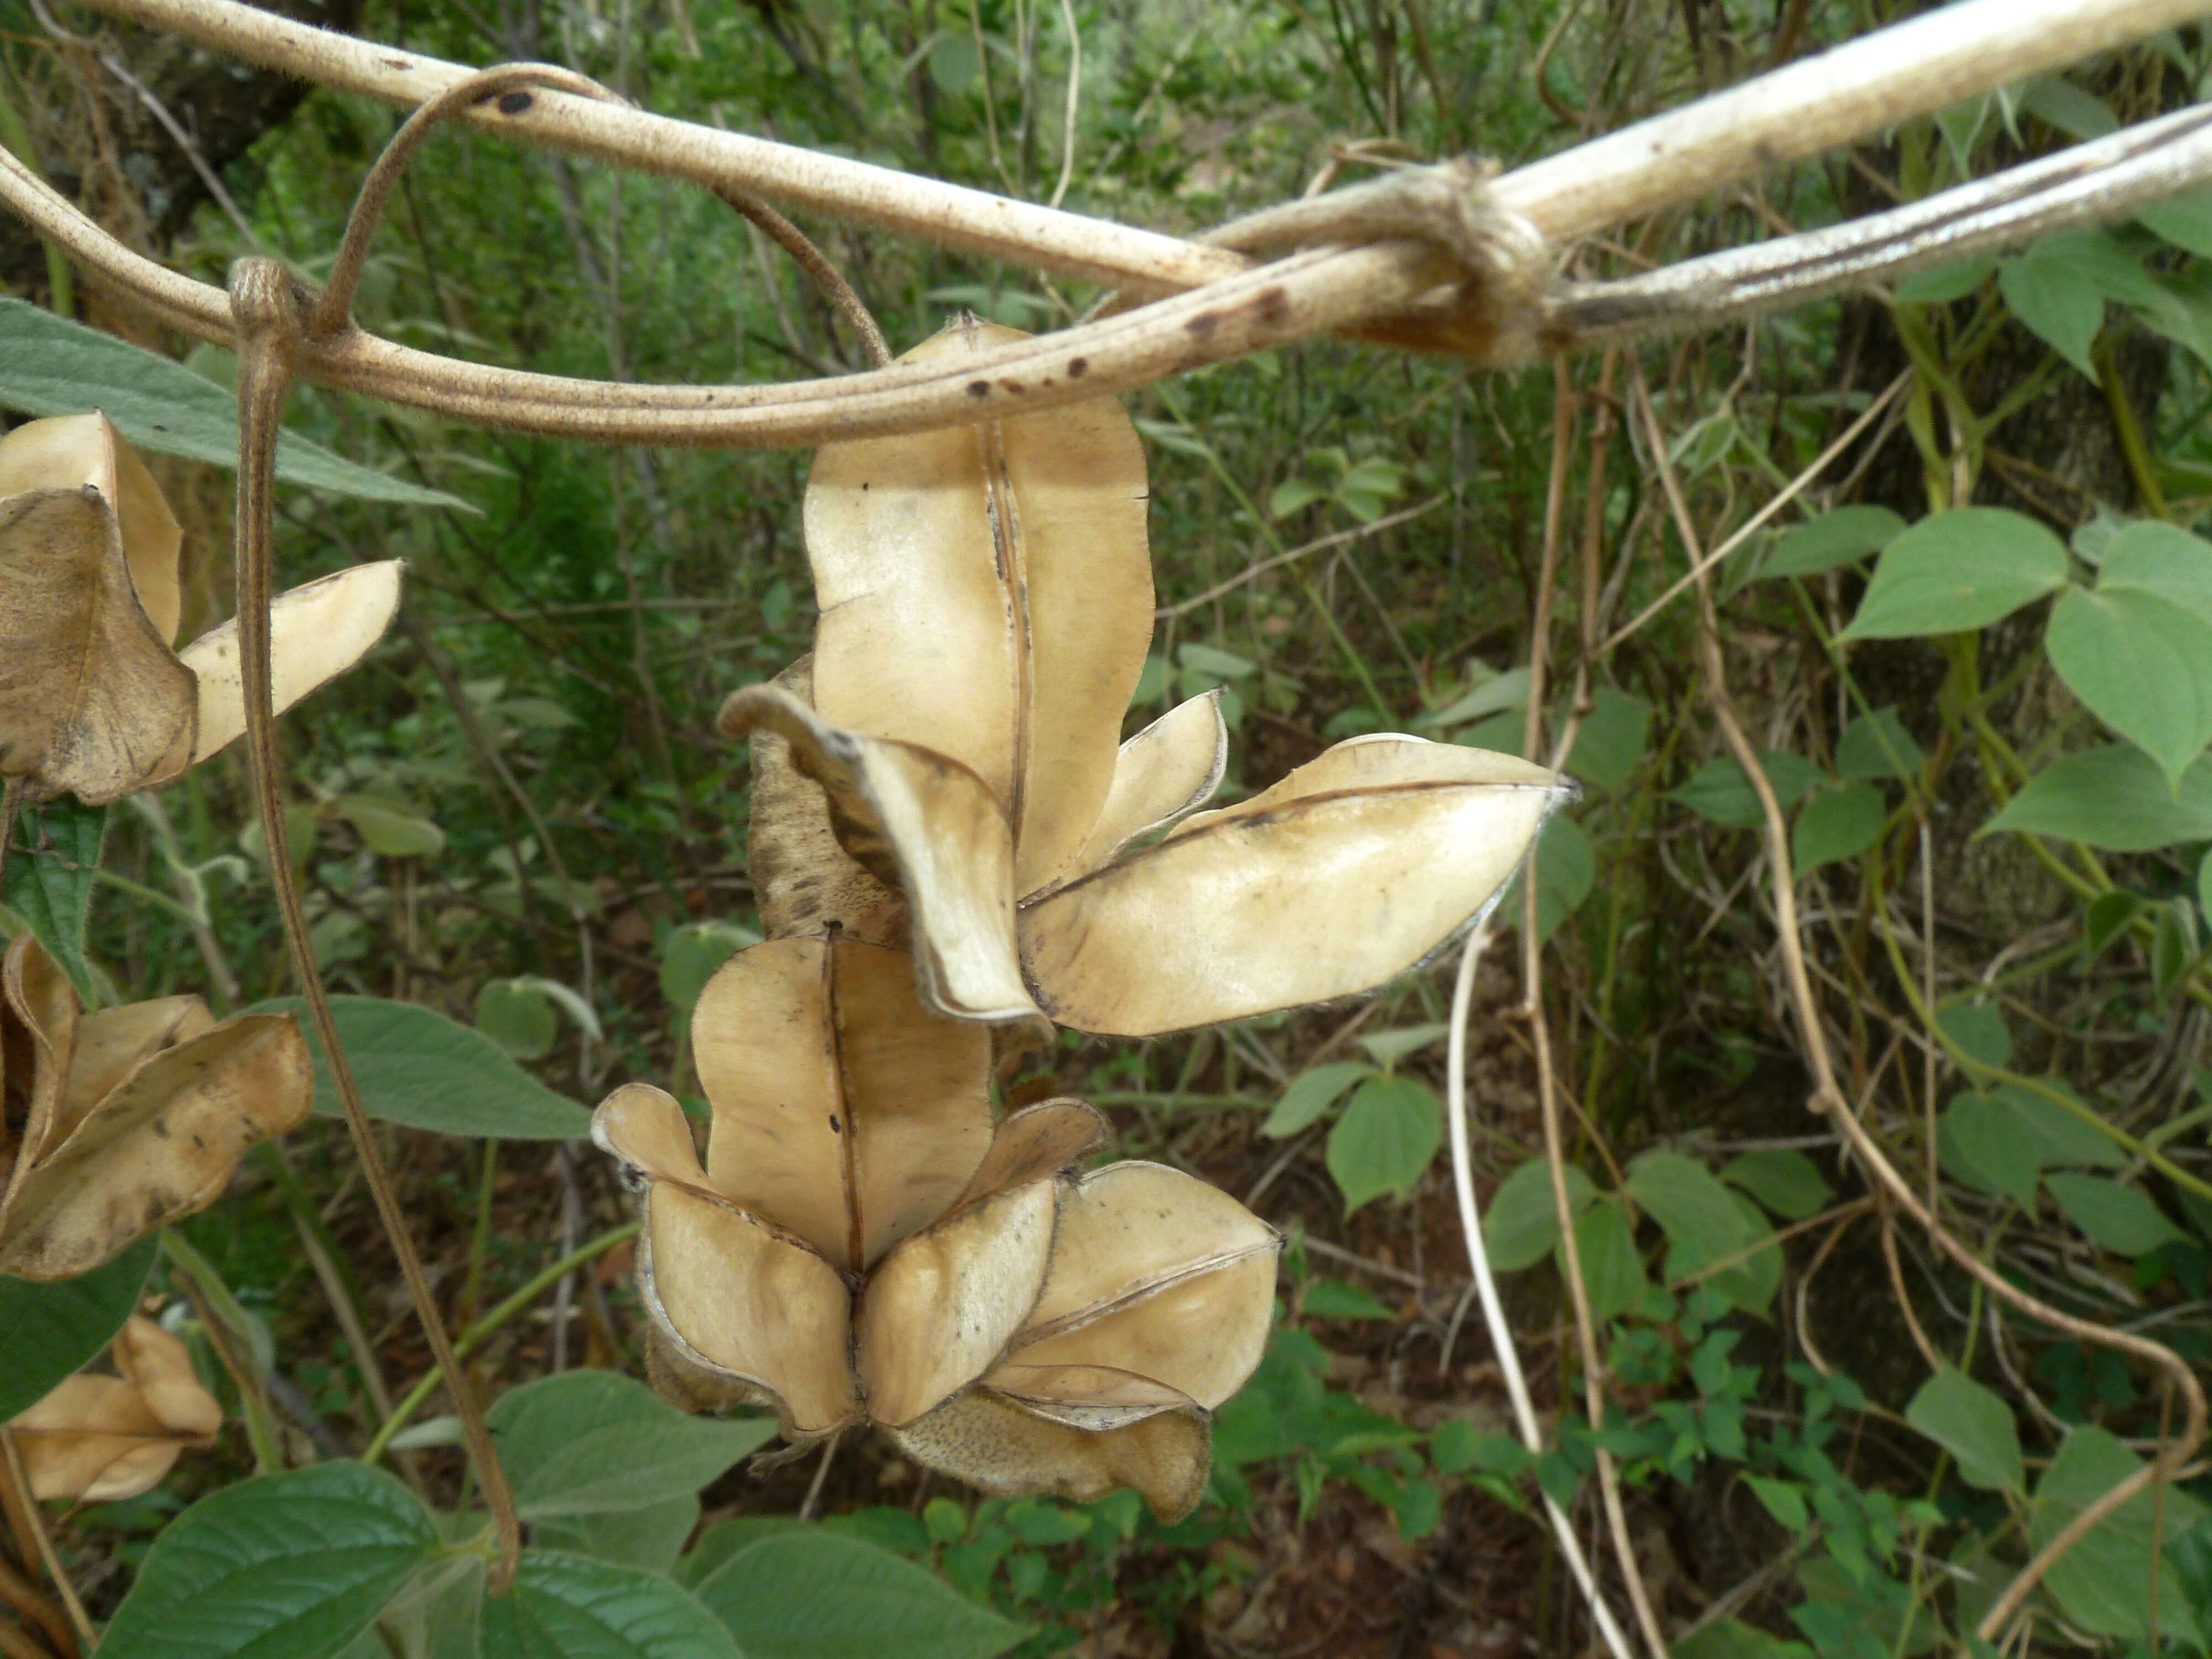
(69, 452)
(918, 820)
(991, 1443)
(140, 1134)
(99, 1439)
(1032, 1144)
(845, 1112)
(987, 593)
(1167, 769)
(1350, 870)
(804, 882)
(739, 1300)
(316, 632)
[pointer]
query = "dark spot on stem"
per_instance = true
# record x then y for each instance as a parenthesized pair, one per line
(514, 103)
(1204, 324)
(979, 388)
(1078, 368)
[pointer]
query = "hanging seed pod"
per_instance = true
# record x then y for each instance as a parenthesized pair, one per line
(121, 1121)
(94, 700)
(99, 1440)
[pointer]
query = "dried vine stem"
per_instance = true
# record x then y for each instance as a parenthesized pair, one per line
(1828, 1096)
(271, 315)
(11, 1464)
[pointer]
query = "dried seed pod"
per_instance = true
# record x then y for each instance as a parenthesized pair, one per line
(94, 700)
(99, 1439)
(130, 1116)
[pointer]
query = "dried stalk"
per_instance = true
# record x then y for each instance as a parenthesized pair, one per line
(11, 1467)
(270, 312)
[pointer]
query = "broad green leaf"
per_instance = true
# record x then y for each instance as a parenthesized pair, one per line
(1204, 659)
(2204, 886)
(1496, 695)
(694, 954)
(1975, 1425)
(1386, 1049)
(2063, 104)
(54, 1330)
(1293, 494)
(390, 830)
(418, 1068)
(1837, 537)
(50, 875)
(1956, 571)
(2106, 919)
(2172, 946)
(1722, 791)
(1731, 1638)
(1567, 870)
(1382, 1143)
(1877, 745)
(2062, 1139)
(2104, 1582)
(519, 1017)
(2150, 557)
(1613, 1268)
(286, 1566)
(1979, 1141)
(1333, 1298)
(813, 1595)
(1979, 1030)
(2120, 1219)
(2142, 664)
(1310, 1094)
(2057, 302)
(2114, 798)
(1836, 824)
(1782, 1499)
(1940, 284)
(1613, 737)
(2184, 220)
(570, 1607)
(50, 366)
(590, 1441)
(650, 1539)
(1703, 1225)
(1522, 1222)
(726, 1538)
(1459, 1446)
(1786, 1182)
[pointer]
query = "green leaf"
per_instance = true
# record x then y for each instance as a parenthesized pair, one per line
(1613, 737)
(1613, 1268)
(694, 954)
(2120, 1219)
(1703, 1224)
(2104, 1582)
(1721, 789)
(2184, 220)
(1837, 537)
(1496, 695)
(569, 1607)
(2063, 104)
(726, 1538)
(589, 1442)
(814, 1594)
(390, 830)
(1458, 1446)
(1386, 1049)
(1311, 1094)
(1836, 824)
(1389, 1131)
(1567, 870)
(1332, 1298)
(1975, 1425)
(1522, 1223)
(519, 1017)
(1877, 745)
(2140, 664)
(2056, 301)
(2062, 1139)
(50, 365)
(2150, 557)
(286, 1566)
(2115, 798)
(1787, 1183)
(55, 1330)
(50, 875)
(2204, 886)
(1204, 659)
(1940, 284)
(418, 1068)
(1979, 1141)
(1979, 1030)
(1781, 1499)
(2106, 919)
(650, 1539)
(1291, 494)
(1731, 1638)
(1956, 571)
(2173, 945)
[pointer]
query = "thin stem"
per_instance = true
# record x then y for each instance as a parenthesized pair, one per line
(270, 311)
(225, 1323)
(474, 1337)
(88, 1636)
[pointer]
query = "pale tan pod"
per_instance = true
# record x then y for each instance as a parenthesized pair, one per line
(112, 1042)
(919, 820)
(986, 591)
(91, 697)
(160, 1367)
(843, 1110)
(162, 1145)
(1348, 873)
(65, 452)
(37, 1032)
(1167, 769)
(939, 1308)
(803, 880)
(96, 1440)
(1033, 1144)
(1201, 1335)
(1091, 1397)
(994, 1443)
(738, 1301)
(316, 632)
